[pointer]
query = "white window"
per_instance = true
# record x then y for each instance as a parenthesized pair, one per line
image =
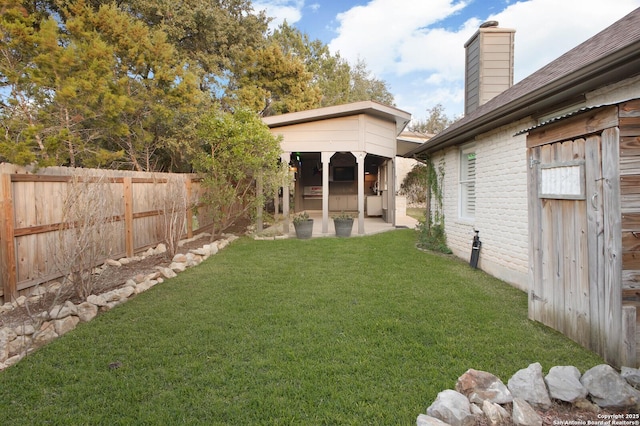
(468, 182)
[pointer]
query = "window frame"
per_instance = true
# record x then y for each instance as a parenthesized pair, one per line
(467, 181)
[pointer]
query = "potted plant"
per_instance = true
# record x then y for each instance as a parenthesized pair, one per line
(343, 224)
(303, 225)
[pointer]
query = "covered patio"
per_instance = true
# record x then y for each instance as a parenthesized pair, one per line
(343, 159)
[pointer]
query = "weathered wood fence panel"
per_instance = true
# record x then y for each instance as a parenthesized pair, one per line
(32, 218)
(585, 272)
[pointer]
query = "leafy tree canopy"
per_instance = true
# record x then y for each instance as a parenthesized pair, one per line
(435, 122)
(237, 149)
(124, 84)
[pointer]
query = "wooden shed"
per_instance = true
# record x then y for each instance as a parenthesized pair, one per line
(584, 223)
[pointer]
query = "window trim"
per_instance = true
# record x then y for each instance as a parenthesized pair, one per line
(463, 184)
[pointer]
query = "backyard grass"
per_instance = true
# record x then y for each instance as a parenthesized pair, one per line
(362, 330)
(416, 212)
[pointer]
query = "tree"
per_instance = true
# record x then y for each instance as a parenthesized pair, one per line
(330, 73)
(270, 82)
(237, 148)
(91, 88)
(365, 87)
(435, 122)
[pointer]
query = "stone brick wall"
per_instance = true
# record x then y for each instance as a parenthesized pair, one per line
(501, 204)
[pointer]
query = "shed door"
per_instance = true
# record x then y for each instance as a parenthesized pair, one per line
(565, 224)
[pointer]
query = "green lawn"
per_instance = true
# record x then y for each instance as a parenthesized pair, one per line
(362, 330)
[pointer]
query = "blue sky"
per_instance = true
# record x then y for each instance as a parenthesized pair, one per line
(417, 46)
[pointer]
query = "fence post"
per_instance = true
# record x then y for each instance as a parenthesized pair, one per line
(189, 212)
(7, 244)
(128, 216)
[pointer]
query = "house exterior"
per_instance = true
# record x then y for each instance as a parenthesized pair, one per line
(344, 159)
(546, 171)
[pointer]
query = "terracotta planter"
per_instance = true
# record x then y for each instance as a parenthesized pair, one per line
(343, 227)
(304, 229)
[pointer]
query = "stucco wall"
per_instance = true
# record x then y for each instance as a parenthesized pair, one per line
(501, 204)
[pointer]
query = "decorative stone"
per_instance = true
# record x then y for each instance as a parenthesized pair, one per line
(495, 414)
(4, 344)
(54, 287)
(38, 291)
(24, 330)
(160, 248)
(13, 360)
(145, 285)
(564, 384)
(608, 389)
(65, 325)
(475, 410)
(19, 345)
(87, 311)
(424, 420)
(528, 384)
(60, 311)
(202, 251)
(7, 307)
(139, 278)
(124, 261)
(480, 386)
(97, 300)
(168, 273)
(632, 376)
(118, 294)
(152, 276)
(452, 407)
(112, 262)
(46, 334)
(179, 258)
(178, 267)
(523, 414)
(20, 301)
(213, 249)
(131, 283)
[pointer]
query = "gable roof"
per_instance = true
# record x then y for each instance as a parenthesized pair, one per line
(609, 56)
(376, 109)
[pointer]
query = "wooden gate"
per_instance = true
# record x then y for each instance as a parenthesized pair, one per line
(574, 199)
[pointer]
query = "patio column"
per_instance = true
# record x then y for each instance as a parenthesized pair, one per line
(326, 159)
(286, 158)
(392, 178)
(360, 159)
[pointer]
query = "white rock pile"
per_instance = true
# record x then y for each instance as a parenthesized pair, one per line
(17, 342)
(482, 397)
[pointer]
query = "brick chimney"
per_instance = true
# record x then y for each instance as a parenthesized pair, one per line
(489, 64)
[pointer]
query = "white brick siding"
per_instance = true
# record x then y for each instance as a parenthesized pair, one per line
(501, 204)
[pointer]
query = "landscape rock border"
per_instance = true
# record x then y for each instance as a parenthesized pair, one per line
(482, 398)
(16, 342)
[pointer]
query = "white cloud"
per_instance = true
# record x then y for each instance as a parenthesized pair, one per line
(546, 29)
(401, 38)
(413, 47)
(378, 31)
(280, 10)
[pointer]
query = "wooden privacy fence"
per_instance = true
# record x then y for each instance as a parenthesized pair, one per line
(32, 219)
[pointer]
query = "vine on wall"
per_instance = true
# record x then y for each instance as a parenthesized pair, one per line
(431, 230)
